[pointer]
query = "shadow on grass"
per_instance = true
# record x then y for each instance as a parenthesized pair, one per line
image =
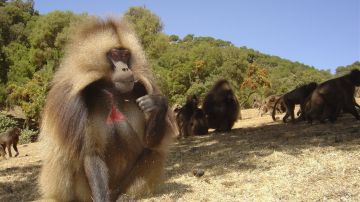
(218, 153)
(239, 149)
(24, 188)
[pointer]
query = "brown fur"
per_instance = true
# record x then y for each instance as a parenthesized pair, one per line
(190, 119)
(332, 97)
(86, 158)
(296, 96)
(10, 137)
(221, 106)
(256, 103)
(198, 124)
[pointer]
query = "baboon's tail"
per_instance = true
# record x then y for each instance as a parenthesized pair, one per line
(274, 108)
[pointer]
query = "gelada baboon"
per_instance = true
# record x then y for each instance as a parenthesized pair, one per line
(184, 113)
(296, 96)
(269, 103)
(198, 124)
(221, 106)
(256, 103)
(190, 119)
(105, 127)
(333, 96)
(10, 137)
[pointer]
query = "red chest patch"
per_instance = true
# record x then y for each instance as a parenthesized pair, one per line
(115, 115)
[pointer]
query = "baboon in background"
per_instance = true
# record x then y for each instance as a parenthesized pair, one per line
(190, 119)
(184, 113)
(105, 127)
(296, 96)
(176, 109)
(198, 124)
(221, 106)
(333, 96)
(256, 103)
(10, 137)
(269, 103)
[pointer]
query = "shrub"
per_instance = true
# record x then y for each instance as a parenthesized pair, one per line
(6, 122)
(27, 135)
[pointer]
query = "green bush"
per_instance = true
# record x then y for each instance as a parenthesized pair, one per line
(25, 136)
(6, 122)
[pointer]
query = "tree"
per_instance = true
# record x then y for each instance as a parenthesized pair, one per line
(14, 16)
(146, 24)
(256, 78)
(174, 38)
(32, 66)
(342, 70)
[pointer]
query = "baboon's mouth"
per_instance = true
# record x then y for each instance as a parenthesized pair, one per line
(124, 86)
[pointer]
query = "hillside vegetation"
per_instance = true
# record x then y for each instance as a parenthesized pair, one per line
(31, 46)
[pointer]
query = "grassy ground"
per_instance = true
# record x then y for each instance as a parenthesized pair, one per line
(259, 160)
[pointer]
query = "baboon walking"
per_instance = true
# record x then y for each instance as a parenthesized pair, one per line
(296, 96)
(8, 138)
(333, 96)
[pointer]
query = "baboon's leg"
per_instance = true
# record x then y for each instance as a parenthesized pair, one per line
(15, 148)
(301, 113)
(8, 145)
(144, 176)
(286, 117)
(289, 111)
(4, 147)
(352, 110)
(264, 111)
(292, 108)
(225, 126)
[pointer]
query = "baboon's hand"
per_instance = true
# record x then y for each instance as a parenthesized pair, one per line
(156, 106)
(150, 103)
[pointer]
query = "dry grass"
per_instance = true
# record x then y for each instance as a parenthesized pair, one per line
(259, 160)
(18, 176)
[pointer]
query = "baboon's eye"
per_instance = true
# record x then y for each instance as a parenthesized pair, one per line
(117, 55)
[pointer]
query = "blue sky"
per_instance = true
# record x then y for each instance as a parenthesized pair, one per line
(321, 33)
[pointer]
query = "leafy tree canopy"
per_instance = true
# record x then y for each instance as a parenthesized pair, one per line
(31, 46)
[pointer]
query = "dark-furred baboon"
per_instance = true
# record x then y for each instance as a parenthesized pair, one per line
(296, 96)
(106, 126)
(221, 106)
(190, 119)
(10, 137)
(198, 123)
(333, 96)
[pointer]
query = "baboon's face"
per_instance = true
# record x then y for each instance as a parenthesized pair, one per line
(122, 76)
